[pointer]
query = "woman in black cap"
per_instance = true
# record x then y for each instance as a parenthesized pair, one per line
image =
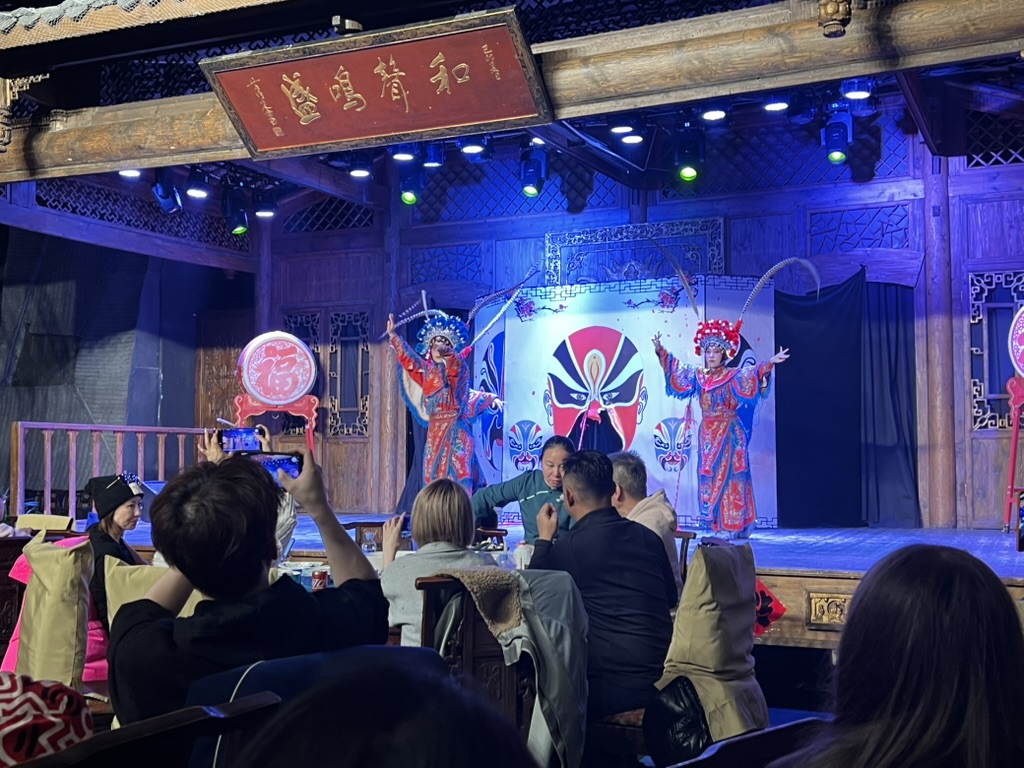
(118, 503)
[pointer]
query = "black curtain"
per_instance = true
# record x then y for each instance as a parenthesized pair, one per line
(818, 405)
(888, 392)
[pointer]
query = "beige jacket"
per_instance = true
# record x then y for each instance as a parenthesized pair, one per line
(656, 513)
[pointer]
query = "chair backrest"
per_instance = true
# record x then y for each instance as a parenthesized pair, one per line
(43, 523)
(164, 740)
(757, 749)
(289, 678)
(471, 650)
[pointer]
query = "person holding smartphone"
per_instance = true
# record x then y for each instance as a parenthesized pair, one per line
(211, 449)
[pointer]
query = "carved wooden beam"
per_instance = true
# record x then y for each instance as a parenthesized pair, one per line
(313, 175)
(721, 54)
(764, 49)
(22, 213)
(980, 97)
(920, 108)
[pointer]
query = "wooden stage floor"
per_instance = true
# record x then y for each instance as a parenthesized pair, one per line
(811, 572)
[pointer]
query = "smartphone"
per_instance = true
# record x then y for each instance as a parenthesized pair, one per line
(241, 439)
(291, 463)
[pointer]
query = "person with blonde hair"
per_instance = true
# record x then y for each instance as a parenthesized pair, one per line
(442, 529)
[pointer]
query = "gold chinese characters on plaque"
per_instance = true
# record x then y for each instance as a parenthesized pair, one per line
(827, 611)
(473, 73)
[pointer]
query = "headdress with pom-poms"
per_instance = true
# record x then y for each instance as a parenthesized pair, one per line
(718, 332)
(726, 334)
(449, 328)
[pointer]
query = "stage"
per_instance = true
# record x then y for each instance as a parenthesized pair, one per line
(811, 572)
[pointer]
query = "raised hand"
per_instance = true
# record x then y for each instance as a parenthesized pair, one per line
(264, 437)
(656, 340)
(781, 357)
(547, 522)
(392, 535)
(391, 326)
(209, 446)
(497, 404)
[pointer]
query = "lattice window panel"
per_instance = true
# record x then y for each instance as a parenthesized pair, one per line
(994, 140)
(462, 190)
(886, 226)
(559, 19)
(995, 297)
(306, 327)
(177, 73)
(329, 215)
(632, 252)
(784, 155)
(454, 262)
(102, 204)
(348, 375)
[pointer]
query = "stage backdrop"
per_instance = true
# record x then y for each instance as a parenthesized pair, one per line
(563, 352)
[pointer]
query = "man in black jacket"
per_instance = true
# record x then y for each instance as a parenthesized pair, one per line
(215, 526)
(624, 577)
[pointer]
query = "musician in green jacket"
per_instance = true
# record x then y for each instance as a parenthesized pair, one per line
(531, 489)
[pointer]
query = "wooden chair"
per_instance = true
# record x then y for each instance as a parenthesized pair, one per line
(164, 741)
(495, 535)
(472, 651)
(684, 538)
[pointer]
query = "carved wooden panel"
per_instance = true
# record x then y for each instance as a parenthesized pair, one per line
(994, 298)
(350, 483)
(842, 231)
(220, 338)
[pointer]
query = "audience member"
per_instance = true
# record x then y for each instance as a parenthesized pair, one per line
(117, 500)
(212, 450)
(624, 578)
(632, 502)
(532, 489)
(215, 525)
(442, 527)
(390, 717)
(930, 672)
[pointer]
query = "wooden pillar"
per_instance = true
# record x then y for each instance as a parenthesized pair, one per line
(941, 451)
(260, 245)
(391, 435)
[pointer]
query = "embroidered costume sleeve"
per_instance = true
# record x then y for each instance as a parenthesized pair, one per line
(680, 379)
(408, 359)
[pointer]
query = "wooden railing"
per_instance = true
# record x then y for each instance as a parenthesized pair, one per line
(20, 429)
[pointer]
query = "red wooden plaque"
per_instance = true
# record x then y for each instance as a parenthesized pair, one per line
(276, 368)
(1016, 341)
(445, 78)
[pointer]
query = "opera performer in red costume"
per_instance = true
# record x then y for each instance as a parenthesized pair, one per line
(725, 492)
(435, 381)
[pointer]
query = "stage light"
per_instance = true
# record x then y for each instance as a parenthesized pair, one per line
(690, 154)
(864, 107)
(713, 113)
(472, 145)
(264, 205)
(801, 111)
(537, 141)
(411, 184)
(620, 124)
(405, 153)
(235, 211)
(198, 185)
(857, 88)
(360, 165)
(433, 155)
(775, 102)
(166, 194)
(129, 173)
(837, 133)
(533, 170)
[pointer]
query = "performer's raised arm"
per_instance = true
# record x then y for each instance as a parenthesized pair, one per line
(680, 379)
(407, 356)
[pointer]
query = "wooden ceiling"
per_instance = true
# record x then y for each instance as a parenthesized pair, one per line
(944, 57)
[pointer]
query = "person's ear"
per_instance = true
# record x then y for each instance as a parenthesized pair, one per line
(569, 497)
(618, 495)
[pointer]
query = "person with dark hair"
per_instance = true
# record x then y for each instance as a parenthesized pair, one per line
(533, 490)
(117, 500)
(389, 717)
(624, 579)
(930, 670)
(632, 502)
(215, 524)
